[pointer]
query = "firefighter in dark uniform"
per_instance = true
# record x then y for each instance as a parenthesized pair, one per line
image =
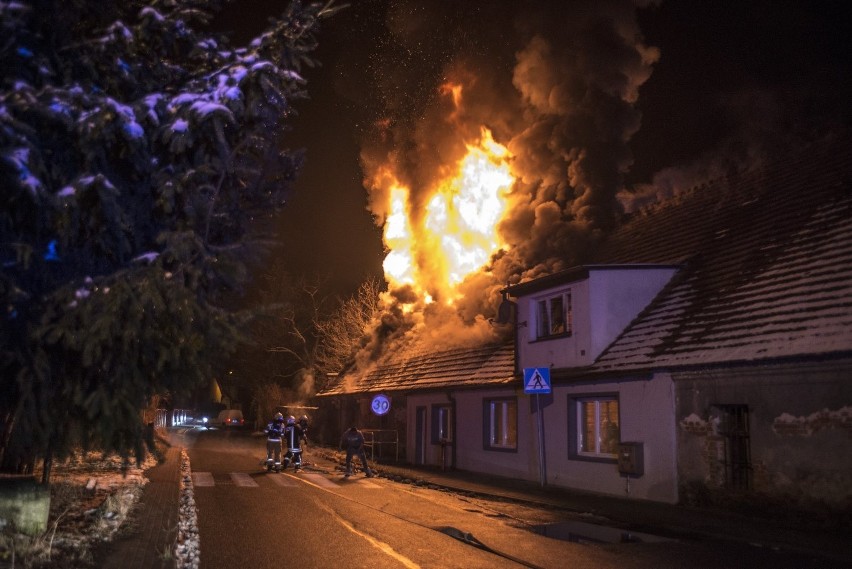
(274, 432)
(352, 442)
(293, 437)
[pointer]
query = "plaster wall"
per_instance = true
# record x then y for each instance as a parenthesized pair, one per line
(431, 451)
(800, 431)
(646, 415)
(617, 296)
(559, 351)
(472, 453)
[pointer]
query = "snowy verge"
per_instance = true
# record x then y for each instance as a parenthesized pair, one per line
(188, 544)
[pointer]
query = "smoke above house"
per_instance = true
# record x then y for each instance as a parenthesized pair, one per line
(498, 152)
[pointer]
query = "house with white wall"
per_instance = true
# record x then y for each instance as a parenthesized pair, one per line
(564, 323)
(705, 355)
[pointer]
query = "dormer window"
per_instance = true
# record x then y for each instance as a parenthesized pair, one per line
(554, 315)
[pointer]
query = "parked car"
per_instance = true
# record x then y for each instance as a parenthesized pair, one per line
(230, 418)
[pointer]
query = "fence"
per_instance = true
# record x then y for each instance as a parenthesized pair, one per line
(377, 441)
(163, 418)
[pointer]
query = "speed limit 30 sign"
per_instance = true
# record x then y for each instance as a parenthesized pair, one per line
(381, 404)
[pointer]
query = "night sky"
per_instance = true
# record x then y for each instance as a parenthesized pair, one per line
(723, 83)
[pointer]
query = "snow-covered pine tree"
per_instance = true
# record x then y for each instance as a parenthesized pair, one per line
(138, 150)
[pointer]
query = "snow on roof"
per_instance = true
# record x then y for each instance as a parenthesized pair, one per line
(768, 272)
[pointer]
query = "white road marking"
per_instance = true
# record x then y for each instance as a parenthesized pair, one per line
(284, 479)
(202, 479)
(319, 480)
(243, 479)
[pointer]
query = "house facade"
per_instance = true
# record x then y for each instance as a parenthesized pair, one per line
(564, 323)
(705, 355)
(744, 356)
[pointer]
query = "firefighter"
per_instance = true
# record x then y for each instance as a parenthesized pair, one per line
(352, 442)
(274, 432)
(293, 437)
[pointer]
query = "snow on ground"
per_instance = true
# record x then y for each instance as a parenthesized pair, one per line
(92, 496)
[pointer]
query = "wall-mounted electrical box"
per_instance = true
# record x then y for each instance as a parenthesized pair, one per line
(631, 459)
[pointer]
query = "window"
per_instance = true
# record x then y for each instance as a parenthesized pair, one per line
(441, 424)
(501, 423)
(597, 431)
(554, 315)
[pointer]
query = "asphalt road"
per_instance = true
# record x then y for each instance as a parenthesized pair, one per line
(318, 519)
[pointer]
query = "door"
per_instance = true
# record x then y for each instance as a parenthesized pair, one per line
(420, 436)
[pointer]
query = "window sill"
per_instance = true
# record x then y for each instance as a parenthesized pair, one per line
(502, 449)
(605, 459)
(553, 337)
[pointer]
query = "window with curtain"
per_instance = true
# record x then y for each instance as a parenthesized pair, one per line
(597, 426)
(501, 423)
(553, 315)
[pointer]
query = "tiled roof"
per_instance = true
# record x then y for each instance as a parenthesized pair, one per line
(766, 273)
(767, 268)
(492, 364)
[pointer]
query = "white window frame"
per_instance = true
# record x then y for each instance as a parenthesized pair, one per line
(543, 309)
(596, 451)
(503, 435)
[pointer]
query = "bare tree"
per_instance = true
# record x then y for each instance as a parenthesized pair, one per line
(341, 334)
(304, 333)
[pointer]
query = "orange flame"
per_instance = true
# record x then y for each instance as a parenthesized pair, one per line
(457, 233)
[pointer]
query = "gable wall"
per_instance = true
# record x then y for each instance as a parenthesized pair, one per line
(617, 296)
(562, 351)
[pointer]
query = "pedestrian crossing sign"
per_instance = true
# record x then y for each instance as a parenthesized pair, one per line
(536, 380)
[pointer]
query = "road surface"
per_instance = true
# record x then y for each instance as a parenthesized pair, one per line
(316, 518)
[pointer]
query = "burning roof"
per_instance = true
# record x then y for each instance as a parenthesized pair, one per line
(767, 274)
(506, 167)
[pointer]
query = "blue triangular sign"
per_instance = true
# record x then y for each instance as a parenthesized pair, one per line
(536, 380)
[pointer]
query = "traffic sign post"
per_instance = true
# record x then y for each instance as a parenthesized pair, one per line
(537, 381)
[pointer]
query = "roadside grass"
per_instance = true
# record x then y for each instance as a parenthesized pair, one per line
(92, 496)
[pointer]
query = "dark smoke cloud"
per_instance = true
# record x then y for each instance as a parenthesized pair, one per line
(557, 83)
(738, 83)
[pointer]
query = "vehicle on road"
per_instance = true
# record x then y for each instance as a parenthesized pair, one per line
(229, 418)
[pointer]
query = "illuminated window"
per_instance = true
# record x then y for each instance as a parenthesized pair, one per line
(501, 424)
(597, 429)
(442, 426)
(554, 315)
